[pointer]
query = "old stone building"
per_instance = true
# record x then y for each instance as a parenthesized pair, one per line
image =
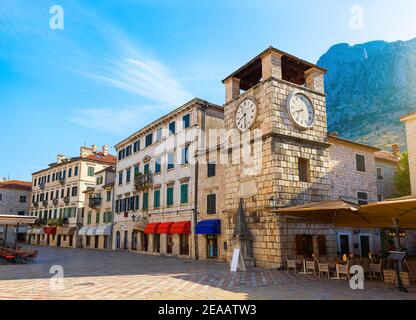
(386, 169)
(98, 213)
(155, 188)
(290, 163)
(14, 200)
(410, 123)
(58, 196)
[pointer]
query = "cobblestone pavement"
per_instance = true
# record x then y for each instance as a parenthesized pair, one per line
(95, 274)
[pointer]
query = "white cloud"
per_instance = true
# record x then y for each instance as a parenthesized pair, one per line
(115, 121)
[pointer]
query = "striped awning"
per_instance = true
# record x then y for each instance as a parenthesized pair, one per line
(164, 228)
(181, 227)
(151, 227)
(83, 231)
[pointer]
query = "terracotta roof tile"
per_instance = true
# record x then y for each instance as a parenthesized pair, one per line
(389, 156)
(16, 184)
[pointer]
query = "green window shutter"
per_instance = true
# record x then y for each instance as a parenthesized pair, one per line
(156, 199)
(169, 196)
(184, 193)
(97, 218)
(145, 201)
(89, 218)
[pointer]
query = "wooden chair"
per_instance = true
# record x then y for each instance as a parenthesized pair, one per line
(291, 264)
(324, 267)
(344, 270)
(311, 267)
(376, 270)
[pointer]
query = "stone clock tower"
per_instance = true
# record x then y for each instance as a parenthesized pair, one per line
(282, 97)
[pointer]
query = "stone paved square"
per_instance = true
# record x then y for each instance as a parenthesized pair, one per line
(97, 274)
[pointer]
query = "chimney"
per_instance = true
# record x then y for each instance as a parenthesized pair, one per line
(94, 148)
(60, 158)
(395, 149)
(105, 150)
(85, 152)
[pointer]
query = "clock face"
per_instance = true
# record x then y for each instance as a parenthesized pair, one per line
(301, 110)
(246, 114)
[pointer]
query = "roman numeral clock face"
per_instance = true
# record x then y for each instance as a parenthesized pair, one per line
(246, 114)
(301, 110)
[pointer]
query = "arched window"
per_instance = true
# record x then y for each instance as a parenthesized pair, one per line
(118, 246)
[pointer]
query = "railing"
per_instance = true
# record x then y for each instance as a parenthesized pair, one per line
(43, 221)
(66, 199)
(42, 186)
(36, 204)
(143, 180)
(62, 180)
(45, 203)
(94, 202)
(55, 202)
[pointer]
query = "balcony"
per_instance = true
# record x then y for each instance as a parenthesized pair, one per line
(94, 202)
(43, 221)
(66, 199)
(143, 180)
(62, 181)
(42, 186)
(55, 202)
(45, 203)
(36, 204)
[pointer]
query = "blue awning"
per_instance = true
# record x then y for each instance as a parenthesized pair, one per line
(208, 227)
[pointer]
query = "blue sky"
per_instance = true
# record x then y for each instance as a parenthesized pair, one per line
(118, 65)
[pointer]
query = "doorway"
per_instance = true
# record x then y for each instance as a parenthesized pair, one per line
(126, 237)
(58, 241)
(344, 244)
(156, 242)
(96, 240)
(118, 240)
(144, 241)
(169, 243)
(212, 247)
(365, 247)
(134, 240)
(184, 244)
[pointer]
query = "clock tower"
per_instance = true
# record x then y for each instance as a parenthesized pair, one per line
(282, 98)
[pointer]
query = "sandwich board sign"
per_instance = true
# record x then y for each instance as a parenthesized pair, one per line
(237, 261)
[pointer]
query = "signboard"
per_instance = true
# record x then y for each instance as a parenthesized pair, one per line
(237, 261)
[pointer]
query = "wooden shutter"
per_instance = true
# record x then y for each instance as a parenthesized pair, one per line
(322, 245)
(300, 250)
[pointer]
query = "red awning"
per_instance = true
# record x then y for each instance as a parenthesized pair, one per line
(151, 227)
(183, 227)
(49, 230)
(164, 228)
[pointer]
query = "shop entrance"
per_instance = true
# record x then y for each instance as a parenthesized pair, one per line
(169, 243)
(212, 247)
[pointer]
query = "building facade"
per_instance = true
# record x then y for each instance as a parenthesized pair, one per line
(410, 123)
(58, 196)
(155, 187)
(386, 169)
(98, 213)
(14, 200)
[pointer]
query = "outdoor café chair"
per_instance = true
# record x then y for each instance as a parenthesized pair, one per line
(376, 269)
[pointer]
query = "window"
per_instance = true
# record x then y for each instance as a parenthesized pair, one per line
(21, 213)
(121, 154)
(169, 196)
(157, 165)
(171, 164)
(57, 194)
(91, 171)
(304, 245)
(68, 192)
(136, 203)
(185, 152)
(108, 195)
(362, 197)
(149, 139)
(172, 128)
(211, 170)
(303, 170)
(49, 178)
(380, 173)
(379, 197)
(62, 193)
(69, 172)
(159, 134)
(1, 197)
(76, 171)
(360, 162)
(97, 217)
(120, 178)
(23, 199)
(186, 121)
(74, 191)
(145, 201)
(136, 170)
(136, 146)
(128, 151)
(211, 204)
(89, 217)
(34, 182)
(128, 175)
(184, 193)
(64, 175)
(156, 198)
(51, 195)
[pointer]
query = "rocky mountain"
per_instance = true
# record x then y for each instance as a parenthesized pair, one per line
(369, 86)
